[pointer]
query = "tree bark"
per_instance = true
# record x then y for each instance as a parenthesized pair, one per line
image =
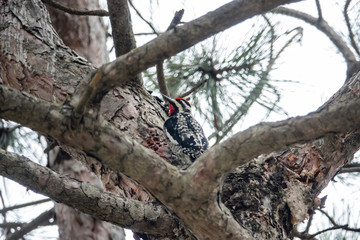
(266, 196)
(87, 36)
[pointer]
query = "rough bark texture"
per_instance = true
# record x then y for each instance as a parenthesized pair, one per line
(87, 36)
(267, 196)
(89, 198)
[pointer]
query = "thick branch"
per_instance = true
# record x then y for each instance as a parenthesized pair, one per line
(168, 44)
(121, 26)
(121, 153)
(333, 117)
(325, 28)
(85, 197)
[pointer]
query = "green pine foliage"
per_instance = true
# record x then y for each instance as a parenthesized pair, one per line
(228, 81)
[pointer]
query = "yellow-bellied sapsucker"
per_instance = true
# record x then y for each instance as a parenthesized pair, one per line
(184, 132)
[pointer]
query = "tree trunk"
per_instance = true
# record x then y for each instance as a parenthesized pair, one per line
(266, 196)
(87, 36)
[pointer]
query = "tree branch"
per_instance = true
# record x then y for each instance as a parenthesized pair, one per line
(118, 72)
(348, 25)
(336, 226)
(325, 28)
(160, 66)
(118, 149)
(267, 137)
(198, 85)
(350, 168)
(318, 7)
(121, 153)
(11, 224)
(5, 210)
(74, 11)
(161, 79)
(122, 32)
(35, 223)
(85, 197)
(146, 21)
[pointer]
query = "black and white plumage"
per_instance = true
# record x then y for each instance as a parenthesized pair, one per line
(184, 132)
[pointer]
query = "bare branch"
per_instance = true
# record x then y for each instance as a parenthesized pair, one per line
(267, 137)
(348, 25)
(122, 32)
(144, 34)
(38, 221)
(11, 224)
(85, 197)
(74, 11)
(306, 235)
(161, 79)
(336, 226)
(176, 19)
(328, 216)
(4, 210)
(324, 27)
(160, 66)
(318, 7)
(311, 236)
(242, 147)
(350, 170)
(185, 94)
(146, 21)
(308, 225)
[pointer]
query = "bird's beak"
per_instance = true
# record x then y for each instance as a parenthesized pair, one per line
(168, 99)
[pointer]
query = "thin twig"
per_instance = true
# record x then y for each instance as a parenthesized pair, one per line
(42, 219)
(194, 88)
(345, 226)
(348, 25)
(308, 225)
(255, 93)
(5, 210)
(160, 66)
(98, 12)
(325, 28)
(3, 203)
(320, 17)
(141, 16)
(328, 216)
(161, 78)
(311, 236)
(144, 34)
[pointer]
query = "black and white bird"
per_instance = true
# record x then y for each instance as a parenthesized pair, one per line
(184, 132)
